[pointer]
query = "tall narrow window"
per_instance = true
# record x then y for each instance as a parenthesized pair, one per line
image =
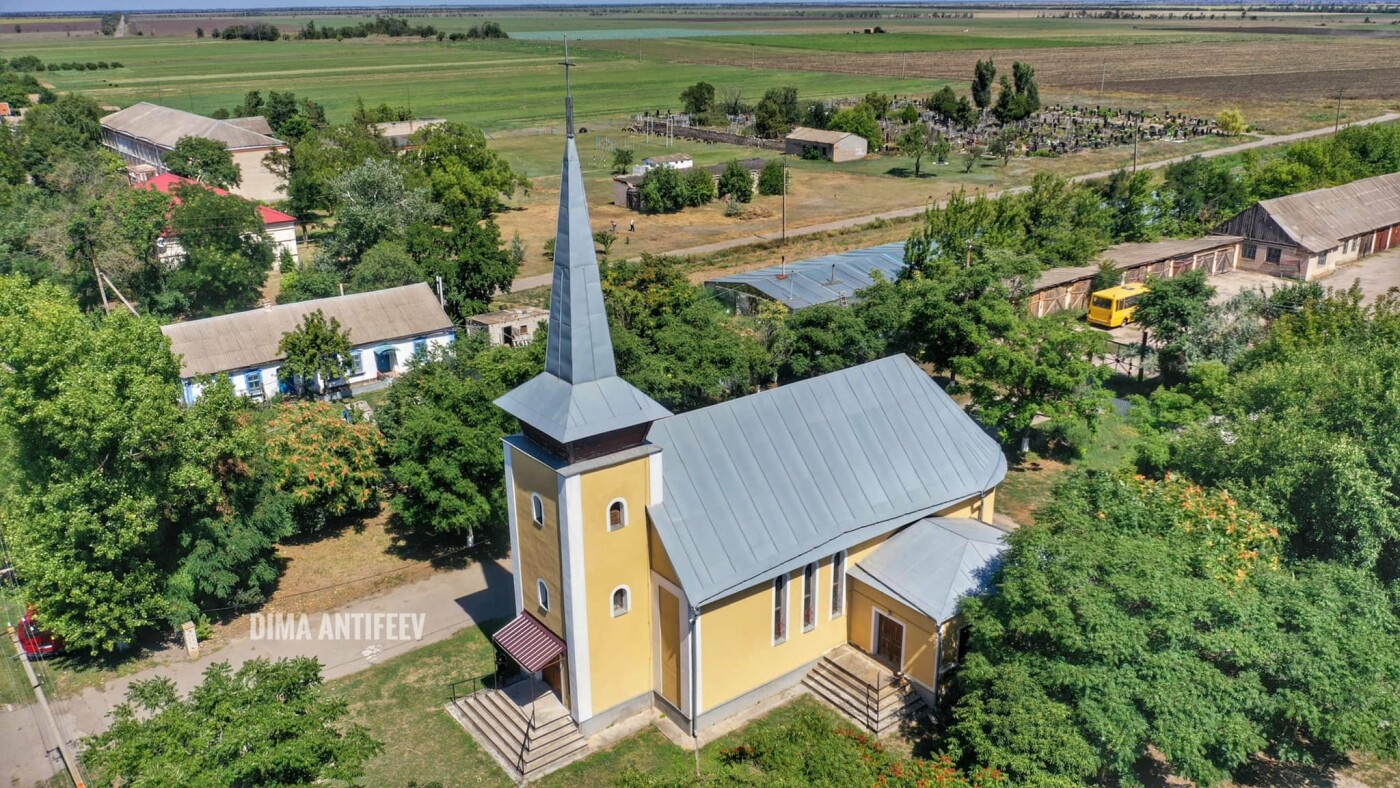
(617, 515)
(779, 609)
(838, 584)
(809, 597)
(537, 509)
(621, 602)
(542, 591)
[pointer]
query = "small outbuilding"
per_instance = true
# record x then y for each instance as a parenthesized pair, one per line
(1307, 235)
(511, 327)
(1061, 289)
(837, 146)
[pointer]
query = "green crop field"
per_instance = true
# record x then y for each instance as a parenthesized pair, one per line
(901, 42)
(495, 85)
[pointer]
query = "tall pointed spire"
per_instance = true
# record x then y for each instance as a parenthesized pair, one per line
(579, 395)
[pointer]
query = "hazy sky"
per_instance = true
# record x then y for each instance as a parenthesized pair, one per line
(71, 6)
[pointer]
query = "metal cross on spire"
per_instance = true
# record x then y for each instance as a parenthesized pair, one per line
(568, 90)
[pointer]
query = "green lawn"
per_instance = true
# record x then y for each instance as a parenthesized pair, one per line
(1029, 482)
(903, 42)
(401, 701)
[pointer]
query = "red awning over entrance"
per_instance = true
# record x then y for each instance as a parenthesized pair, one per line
(529, 642)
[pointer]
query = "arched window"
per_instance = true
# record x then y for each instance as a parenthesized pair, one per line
(617, 515)
(780, 614)
(542, 591)
(537, 509)
(621, 601)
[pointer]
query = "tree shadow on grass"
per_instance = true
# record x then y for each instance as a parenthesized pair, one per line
(908, 172)
(446, 551)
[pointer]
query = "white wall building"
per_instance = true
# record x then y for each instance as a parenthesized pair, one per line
(143, 133)
(388, 328)
(281, 228)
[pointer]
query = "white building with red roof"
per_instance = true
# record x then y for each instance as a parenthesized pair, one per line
(281, 228)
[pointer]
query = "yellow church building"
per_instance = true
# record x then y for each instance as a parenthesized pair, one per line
(818, 534)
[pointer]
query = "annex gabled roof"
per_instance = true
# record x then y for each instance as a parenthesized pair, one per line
(164, 126)
(934, 563)
(579, 394)
(167, 182)
(821, 280)
(766, 483)
(250, 339)
(1321, 219)
(828, 137)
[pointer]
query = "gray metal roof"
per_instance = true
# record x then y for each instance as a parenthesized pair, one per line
(1132, 255)
(934, 563)
(811, 282)
(1321, 219)
(250, 339)
(766, 483)
(806, 134)
(165, 126)
(579, 394)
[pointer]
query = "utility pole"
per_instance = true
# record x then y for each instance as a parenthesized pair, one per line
(785, 180)
(1137, 132)
(101, 288)
(1337, 124)
(1103, 76)
(69, 762)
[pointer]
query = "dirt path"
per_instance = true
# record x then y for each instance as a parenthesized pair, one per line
(540, 280)
(447, 602)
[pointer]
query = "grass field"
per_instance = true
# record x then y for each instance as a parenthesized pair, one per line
(902, 42)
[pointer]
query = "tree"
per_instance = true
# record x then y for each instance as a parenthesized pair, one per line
(1197, 194)
(967, 115)
(386, 264)
(1134, 610)
(315, 353)
(204, 160)
(970, 156)
(184, 522)
(307, 282)
(662, 190)
(772, 179)
(698, 99)
(860, 120)
(735, 182)
(621, 160)
(699, 186)
(444, 437)
(374, 203)
(58, 132)
(826, 338)
(1027, 91)
(909, 114)
(776, 113)
(468, 178)
(227, 253)
(1172, 310)
(879, 104)
(470, 258)
(266, 723)
(1231, 122)
(983, 76)
(1129, 199)
(604, 240)
(327, 464)
(917, 142)
(1000, 147)
(944, 103)
(1038, 366)
(199, 32)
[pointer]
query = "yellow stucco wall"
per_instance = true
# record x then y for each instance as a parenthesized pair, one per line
(737, 652)
(620, 648)
(540, 556)
(660, 561)
(919, 642)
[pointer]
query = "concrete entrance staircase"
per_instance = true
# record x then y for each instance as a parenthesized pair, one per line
(500, 721)
(864, 690)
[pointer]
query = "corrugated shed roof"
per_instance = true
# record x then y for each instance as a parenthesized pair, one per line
(934, 563)
(668, 158)
(529, 642)
(250, 339)
(766, 483)
(805, 134)
(1321, 219)
(165, 126)
(579, 394)
(810, 282)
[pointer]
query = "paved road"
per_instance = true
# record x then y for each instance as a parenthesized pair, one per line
(447, 603)
(527, 282)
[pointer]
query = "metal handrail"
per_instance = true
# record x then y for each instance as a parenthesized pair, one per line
(475, 683)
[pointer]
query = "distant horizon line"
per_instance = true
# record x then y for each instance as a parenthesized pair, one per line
(332, 6)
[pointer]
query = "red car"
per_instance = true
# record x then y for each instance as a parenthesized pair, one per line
(35, 640)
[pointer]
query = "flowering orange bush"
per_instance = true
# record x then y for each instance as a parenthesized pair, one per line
(1239, 537)
(330, 466)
